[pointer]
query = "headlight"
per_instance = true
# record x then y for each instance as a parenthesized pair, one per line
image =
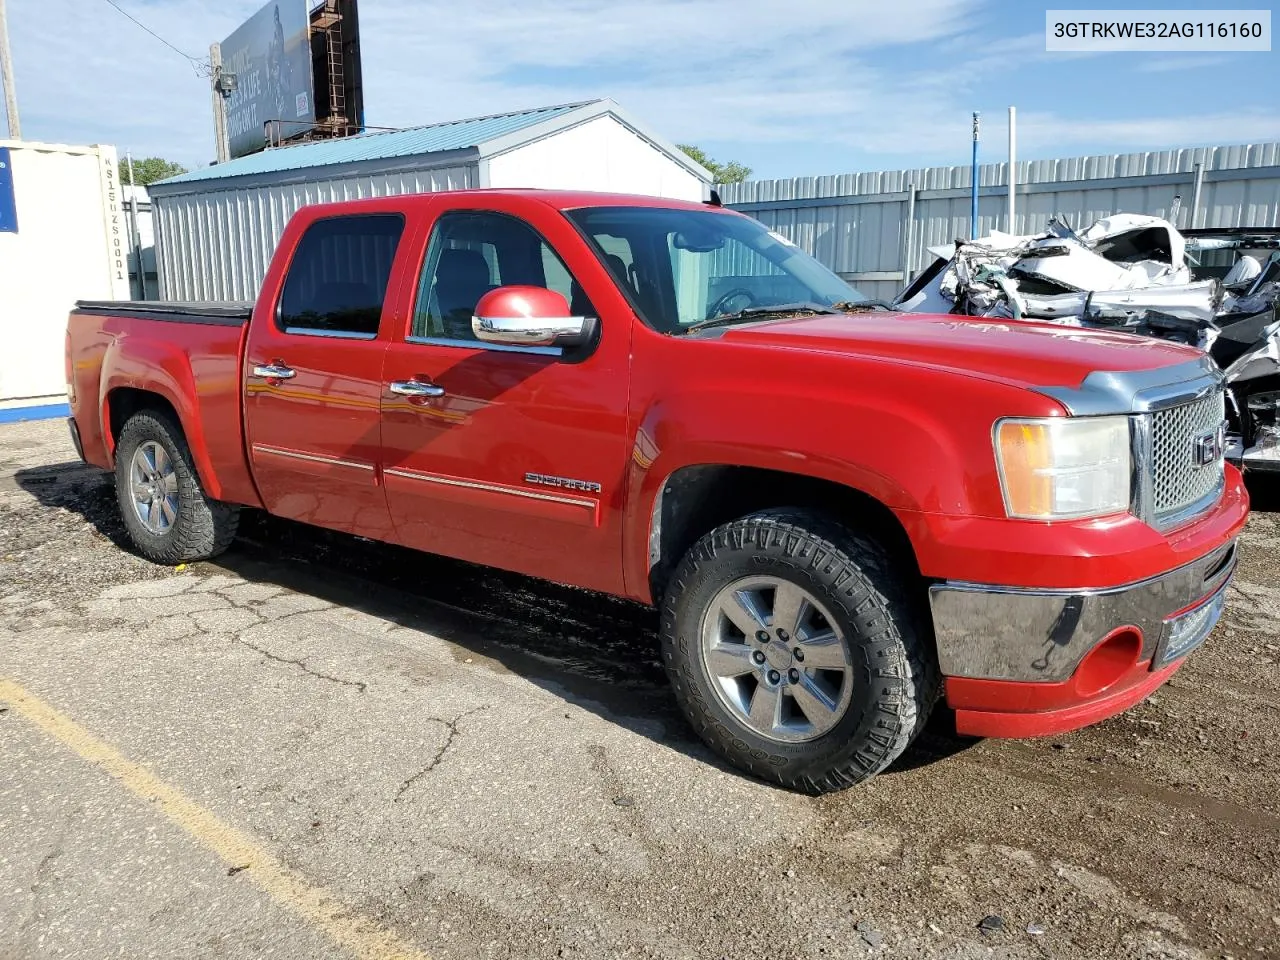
(1061, 467)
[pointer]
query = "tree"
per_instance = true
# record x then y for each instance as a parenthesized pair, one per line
(731, 172)
(150, 170)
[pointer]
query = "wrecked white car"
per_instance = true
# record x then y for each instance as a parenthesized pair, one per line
(1217, 289)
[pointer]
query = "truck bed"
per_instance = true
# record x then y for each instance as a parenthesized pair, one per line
(193, 363)
(230, 313)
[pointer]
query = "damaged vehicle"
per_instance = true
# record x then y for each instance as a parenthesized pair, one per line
(843, 513)
(1215, 289)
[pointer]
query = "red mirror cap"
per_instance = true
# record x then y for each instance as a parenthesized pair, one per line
(517, 301)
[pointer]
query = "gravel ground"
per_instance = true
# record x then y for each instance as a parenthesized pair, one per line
(476, 765)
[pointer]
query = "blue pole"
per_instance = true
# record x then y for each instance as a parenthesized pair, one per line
(973, 193)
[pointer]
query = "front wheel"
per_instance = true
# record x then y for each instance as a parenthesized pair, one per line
(794, 649)
(165, 510)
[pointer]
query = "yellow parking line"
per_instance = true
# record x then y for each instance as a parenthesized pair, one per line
(360, 935)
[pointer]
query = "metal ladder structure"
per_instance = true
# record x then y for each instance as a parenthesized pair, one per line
(329, 20)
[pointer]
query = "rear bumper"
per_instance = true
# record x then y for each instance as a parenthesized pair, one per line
(75, 437)
(1025, 662)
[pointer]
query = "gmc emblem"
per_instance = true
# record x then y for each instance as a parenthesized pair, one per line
(1208, 448)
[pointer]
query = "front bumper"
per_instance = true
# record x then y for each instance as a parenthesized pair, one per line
(1070, 657)
(998, 708)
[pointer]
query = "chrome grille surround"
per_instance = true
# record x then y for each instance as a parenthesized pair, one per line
(1169, 408)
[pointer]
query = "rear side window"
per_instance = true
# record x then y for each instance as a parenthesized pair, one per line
(338, 277)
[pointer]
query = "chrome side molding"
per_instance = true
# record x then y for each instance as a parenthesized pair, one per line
(262, 448)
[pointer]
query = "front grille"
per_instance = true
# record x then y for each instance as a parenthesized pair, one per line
(1178, 481)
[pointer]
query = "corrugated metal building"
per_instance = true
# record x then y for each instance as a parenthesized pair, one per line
(874, 228)
(216, 228)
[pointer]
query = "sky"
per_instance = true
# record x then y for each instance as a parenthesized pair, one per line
(794, 88)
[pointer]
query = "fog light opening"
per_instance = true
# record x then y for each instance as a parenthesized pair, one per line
(1108, 661)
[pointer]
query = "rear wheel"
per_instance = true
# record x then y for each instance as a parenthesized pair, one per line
(795, 651)
(165, 510)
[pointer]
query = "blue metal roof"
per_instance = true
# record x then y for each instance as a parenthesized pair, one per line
(435, 138)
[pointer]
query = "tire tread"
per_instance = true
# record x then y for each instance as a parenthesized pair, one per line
(204, 528)
(900, 656)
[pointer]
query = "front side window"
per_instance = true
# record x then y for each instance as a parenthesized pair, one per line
(337, 280)
(684, 267)
(474, 252)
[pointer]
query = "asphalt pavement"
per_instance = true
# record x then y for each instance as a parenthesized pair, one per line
(319, 747)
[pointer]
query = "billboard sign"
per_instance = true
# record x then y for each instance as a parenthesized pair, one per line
(270, 56)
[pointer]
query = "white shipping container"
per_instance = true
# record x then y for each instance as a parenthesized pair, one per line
(71, 243)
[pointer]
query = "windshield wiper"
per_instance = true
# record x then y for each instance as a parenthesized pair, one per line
(779, 309)
(856, 306)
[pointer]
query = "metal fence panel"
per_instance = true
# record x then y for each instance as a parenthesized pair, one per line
(857, 224)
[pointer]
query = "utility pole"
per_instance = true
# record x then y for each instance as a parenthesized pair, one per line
(1013, 168)
(6, 78)
(220, 139)
(973, 187)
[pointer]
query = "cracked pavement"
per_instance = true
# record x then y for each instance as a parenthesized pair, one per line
(491, 767)
(452, 727)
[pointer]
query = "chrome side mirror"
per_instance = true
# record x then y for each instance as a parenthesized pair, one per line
(531, 331)
(519, 316)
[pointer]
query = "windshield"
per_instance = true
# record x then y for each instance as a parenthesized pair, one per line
(685, 267)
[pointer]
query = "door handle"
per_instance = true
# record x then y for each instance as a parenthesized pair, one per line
(273, 371)
(415, 388)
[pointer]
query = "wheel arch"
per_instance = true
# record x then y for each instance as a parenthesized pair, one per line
(697, 498)
(122, 402)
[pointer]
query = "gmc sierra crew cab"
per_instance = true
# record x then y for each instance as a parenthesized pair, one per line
(843, 513)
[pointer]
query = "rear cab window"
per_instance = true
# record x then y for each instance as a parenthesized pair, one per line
(337, 279)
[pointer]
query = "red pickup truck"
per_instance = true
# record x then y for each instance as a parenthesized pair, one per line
(841, 511)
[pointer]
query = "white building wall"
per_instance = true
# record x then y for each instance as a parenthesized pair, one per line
(601, 154)
(216, 245)
(71, 244)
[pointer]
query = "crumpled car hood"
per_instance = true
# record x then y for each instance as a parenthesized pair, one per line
(1019, 352)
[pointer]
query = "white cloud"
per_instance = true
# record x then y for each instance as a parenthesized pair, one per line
(711, 69)
(863, 81)
(1179, 63)
(741, 70)
(85, 74)
(1042, 131)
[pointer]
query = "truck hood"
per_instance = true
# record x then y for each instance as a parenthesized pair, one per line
(1019, 352)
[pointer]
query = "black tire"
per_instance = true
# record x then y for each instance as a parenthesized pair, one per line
(895, 677)
(203, 527)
